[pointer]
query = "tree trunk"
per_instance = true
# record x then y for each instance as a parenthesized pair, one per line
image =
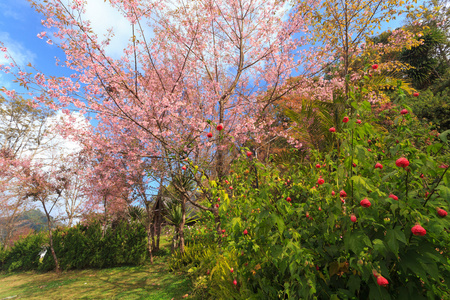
(105, 218)
(50, 235)
(174, 240)
(149, 228)
(158, 222)
(149, 241)
(183, 221)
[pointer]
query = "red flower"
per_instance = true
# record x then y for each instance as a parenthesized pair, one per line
(249, 154)
(416, 94)
(442, 213)
(342, 193)
(332, 129)
(183, 167)
(209, 134)
(402, 162)
(288, 199)
(418, 230)
(421, 175)
(223, 230)
(443, 166)
(231, 187)
(404, 111)
(320, 181)
(345, 120)
(219, 127)
(378, 166)
(382, 281)
(374, 66)
(358, 121)
(365, 202)
(354, 165)
(353, 218)
(393, 197)
(318, 166)
(245, 232)
(217, 205)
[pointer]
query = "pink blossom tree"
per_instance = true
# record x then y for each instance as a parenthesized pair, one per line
(202, 64)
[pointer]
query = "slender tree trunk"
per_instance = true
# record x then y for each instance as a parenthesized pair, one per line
(105, 218)
(50, 235)
(149, 241)
(183, 221)
(220, 151)
(174, 240)
(149, 229)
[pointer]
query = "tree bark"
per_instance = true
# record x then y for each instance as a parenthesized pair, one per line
(105, 218)
(149, 228)
(183, 221)
(50, 235)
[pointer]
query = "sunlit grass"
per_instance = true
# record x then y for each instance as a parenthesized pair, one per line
(151, 281)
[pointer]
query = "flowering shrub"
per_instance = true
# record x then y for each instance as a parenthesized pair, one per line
(379, 238)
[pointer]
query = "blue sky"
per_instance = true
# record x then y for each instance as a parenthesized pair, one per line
(20, 24)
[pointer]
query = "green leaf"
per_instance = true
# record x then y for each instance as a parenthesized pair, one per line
(280, 222)
(443, 136)
(391, 241)
(354, 283)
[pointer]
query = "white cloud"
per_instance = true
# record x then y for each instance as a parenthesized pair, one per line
(103, 17)
(13, 8)
(20, 54)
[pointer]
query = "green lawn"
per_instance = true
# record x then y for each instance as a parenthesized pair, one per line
(143, 282)
(152, 281)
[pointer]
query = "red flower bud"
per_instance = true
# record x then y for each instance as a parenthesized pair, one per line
(245, 232)
(418, 230)
(235, 282)
(332, 129)
(393, 197)
(365, 202)
(209, 134)
(333, 193)
(249, 154)
(342, 193)
(442, 213)
(402, 162)
(353, 218)
(318, 166)
(288, 199)
(404, 111)
(183, 167)
(358, 121)
(379, 166)
(382, 281)
(416, 94)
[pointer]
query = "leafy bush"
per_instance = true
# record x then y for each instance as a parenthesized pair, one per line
(25, 255)
(82, 246)
(298, 237)
(434, 108)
